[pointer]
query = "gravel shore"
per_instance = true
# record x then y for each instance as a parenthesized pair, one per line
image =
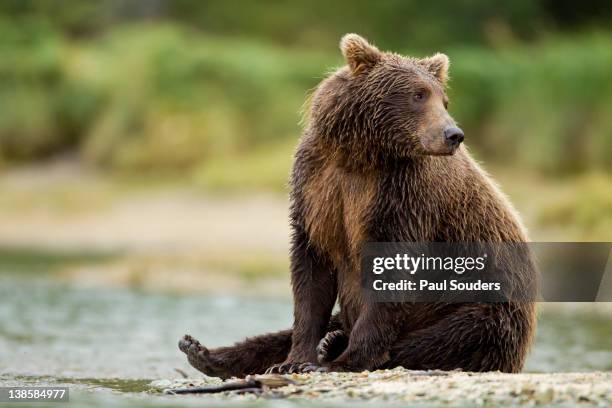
(427, 388)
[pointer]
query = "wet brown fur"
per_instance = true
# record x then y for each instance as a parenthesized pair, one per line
(372, 167)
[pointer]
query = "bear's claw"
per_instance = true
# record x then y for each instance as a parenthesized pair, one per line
(293, 368)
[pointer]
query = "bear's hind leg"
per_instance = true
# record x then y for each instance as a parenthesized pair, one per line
(252, 356)
(476, 337)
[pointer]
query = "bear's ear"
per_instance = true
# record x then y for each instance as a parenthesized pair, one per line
(359, 54)
(437, 65)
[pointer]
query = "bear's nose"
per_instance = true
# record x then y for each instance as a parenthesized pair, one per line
(454, 135)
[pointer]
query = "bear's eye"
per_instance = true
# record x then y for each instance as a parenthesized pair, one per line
(419, 96)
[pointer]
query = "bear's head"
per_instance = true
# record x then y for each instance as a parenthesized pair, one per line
(383, 105)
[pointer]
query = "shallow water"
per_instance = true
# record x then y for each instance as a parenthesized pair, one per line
(118, 340)
(48, 329)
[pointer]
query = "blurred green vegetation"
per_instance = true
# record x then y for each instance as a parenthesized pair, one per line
(588, 209)
(28, 260)
(212, 91)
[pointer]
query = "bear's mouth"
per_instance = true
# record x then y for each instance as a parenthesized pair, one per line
(439, 149)
(450, 153)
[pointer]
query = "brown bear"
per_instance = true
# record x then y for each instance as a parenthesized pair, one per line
(381, 160)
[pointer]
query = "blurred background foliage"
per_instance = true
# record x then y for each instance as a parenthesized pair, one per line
(145, 146)
(212, 90)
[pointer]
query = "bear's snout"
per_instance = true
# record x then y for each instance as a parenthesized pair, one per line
(454, 136)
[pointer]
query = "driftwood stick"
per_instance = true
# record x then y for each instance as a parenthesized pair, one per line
(254, 384)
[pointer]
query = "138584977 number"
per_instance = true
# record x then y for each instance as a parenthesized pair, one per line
(8, 394)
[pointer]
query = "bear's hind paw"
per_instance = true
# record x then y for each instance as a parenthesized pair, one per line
(331, 346)
(198, 355)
